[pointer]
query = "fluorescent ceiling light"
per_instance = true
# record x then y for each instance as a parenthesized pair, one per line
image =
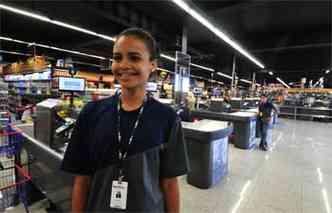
(224, 75)
(52, 47)
(65, 50)
(202, 67)
(14, 53)
(245, 81)
(167, 57)
(76, 28)
(182, 4)
(59, 23)
(193, 76)
(270, 73)
(192, 64)
(283, 83)
(165, 70)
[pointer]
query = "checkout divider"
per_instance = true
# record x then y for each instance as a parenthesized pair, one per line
(244, 125)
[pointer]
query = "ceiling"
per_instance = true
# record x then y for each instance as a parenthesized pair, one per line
(291, 38)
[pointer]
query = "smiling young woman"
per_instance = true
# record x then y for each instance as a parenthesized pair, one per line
(132, 65)
(127, 151)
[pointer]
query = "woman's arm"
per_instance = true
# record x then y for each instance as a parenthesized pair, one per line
(170, 189)
(80, 193)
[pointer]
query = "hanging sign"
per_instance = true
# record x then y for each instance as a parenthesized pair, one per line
(182, 72)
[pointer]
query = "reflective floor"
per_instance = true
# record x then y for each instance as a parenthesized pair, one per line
(295, 176)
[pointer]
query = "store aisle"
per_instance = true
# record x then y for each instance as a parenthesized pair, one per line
(294, 177)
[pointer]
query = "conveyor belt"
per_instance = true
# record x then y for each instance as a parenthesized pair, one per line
(45, 171)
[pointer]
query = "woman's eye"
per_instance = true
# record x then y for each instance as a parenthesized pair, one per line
(116, 58)
(135, 58)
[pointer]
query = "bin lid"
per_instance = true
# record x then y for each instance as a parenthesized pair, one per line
(253, 110)
(223, 116)
(244, 116)
(207, 130)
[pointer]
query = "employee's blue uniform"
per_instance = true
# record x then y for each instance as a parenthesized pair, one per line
(157, 151)
(264, 118)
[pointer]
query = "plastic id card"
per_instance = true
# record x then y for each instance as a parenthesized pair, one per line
(119, 195)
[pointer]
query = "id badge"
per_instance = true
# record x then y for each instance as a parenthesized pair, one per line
(119, 195)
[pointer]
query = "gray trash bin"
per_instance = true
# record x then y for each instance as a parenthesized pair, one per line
(207, 144)
(244, 129)
(244, 125)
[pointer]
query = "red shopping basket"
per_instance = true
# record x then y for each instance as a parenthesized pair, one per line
(14, 182)
(13, 178)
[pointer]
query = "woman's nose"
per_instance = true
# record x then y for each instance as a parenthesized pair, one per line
(124, 64)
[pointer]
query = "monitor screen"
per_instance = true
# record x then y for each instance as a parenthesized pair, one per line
(72, 84)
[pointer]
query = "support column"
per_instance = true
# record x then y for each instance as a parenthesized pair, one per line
(253, 84)
(234, 82)
(184, 39)
(182, 70)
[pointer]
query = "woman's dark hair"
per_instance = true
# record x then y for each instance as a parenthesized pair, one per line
(144, 36)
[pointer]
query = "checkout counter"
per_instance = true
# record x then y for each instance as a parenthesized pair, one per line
(208, 166)
(46, 144)
(306, 113)
(247, 103)
(244, 125)
(45, 171)
(207, 145)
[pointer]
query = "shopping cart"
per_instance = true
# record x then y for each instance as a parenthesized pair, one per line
(14, 179)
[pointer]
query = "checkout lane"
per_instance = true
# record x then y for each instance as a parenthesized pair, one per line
(208, 167)
(244, 125)
(45, 171)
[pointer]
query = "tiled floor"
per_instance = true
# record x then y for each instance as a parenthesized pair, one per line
(294, 177)
(38, 207)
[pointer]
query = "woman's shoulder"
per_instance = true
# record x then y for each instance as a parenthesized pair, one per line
(93, 107)
(162, 110)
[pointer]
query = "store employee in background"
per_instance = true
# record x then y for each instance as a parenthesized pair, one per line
(127, 151)
(264, 118)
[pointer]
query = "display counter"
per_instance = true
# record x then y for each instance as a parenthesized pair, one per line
(244, 125)
(45, 171)
(305, 113)
(207, 145)
(239, 103)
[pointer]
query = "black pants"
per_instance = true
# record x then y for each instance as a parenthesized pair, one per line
(263, 127)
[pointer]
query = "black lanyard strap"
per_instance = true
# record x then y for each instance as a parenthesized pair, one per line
(121, 153)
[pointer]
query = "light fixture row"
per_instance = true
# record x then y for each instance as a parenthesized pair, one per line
(199, 17)
(69, 51)
(282, 82)
(52, 21)
(86, 31)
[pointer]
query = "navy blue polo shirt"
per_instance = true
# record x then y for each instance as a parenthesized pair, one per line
(94, 143)
(266, 110)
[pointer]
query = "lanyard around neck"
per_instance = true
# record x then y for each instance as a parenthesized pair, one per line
(123, 154)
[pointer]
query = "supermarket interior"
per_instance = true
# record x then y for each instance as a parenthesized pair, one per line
(249, 82)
